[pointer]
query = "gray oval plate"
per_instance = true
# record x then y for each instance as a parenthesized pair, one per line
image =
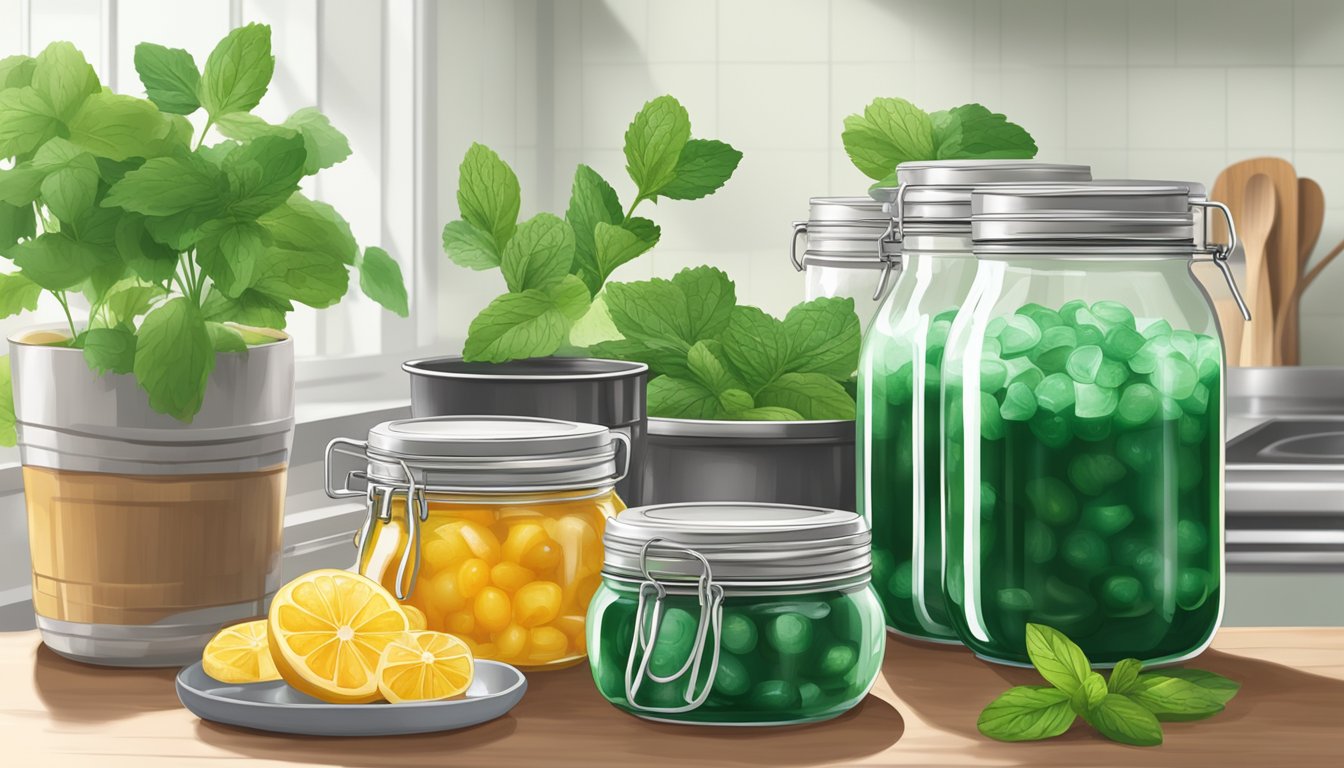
(274, 706)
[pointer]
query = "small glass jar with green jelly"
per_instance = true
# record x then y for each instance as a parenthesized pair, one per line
(1084, 424)
(899, 380)
(735, 614)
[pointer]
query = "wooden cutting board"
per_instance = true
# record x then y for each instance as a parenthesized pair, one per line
(1282, 248)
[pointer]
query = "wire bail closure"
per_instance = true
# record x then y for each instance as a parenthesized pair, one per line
(710, 597)
(894, 234)
(1220, 252)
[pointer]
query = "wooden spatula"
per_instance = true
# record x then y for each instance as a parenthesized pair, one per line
(1258, 214)
(1310, 219)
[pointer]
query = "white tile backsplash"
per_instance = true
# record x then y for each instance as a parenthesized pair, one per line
(1138, 88)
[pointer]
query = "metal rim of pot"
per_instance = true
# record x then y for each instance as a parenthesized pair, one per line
(819, 429)
(619, 369)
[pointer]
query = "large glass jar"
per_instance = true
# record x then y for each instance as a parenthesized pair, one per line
(735, 614)
(1084, 427)
(899, 381)
(503, 545)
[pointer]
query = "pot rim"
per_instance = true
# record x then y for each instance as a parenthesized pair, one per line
(814, 428)
(622, 369)
(17, 337)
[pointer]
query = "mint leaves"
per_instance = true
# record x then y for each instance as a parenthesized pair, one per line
(711, 358)
(174, 243)
(893, 131)
(546, 260)
(1129, 708)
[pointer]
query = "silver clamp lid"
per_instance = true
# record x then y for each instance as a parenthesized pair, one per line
(840, 233)
(1077, 220)
(934, 196)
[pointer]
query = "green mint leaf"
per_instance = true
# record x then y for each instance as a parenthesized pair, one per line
(229, 252)
(653, 145)
(252, 308)
(128, 299)
(146, 257)
(1124, 676)
(1057, 658)
(695, 304)
(469, 247)
(263, 174)
(26, 121)
(238, 71)
(165, 186)
(592, 201)
(488, 195)
(616, 245)
(973, 132)
(1027, 713)
(17, 294)
(756, 345)
(302, 224)
(531, 323)
(8, 435)
(890, 132)
(1089, 694)
(710, 297)
(58, 262)
(110, 350)
(245, 126)
(72, 178)
(824, 337)
(768, 413)
(1220, 687)
(20, 185)
(225, 339)
(703, 167)
(661, 358)
(309, 277)
(674, 398)
(704, 364)
(812, 395)
(17, 222)
(121, 127)
(64, 79)
(539, 254)
(170, 77)
(324, 144)
(16, 71)
(380, 279)
(1171, 698)
(174, 357)
(1119, 719)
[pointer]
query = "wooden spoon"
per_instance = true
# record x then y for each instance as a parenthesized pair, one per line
(1296, 298)
(1257, 222)
(1311, 217)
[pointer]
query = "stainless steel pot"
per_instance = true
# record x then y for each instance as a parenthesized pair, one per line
(587, 390)
(810, 463)
(148, 534)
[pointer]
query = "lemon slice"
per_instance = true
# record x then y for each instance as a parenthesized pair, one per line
(426, 666)
(240, 654)
(414, 617)
(327, 630)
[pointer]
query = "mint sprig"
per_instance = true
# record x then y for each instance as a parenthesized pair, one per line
(1128, 708)
(892, 131)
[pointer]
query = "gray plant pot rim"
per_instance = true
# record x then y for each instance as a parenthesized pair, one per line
(834, 429)
(17, 338)
(619, 369)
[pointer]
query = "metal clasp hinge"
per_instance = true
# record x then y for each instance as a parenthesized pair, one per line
(1220, 252)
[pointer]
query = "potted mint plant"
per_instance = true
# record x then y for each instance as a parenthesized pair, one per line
(155, 431)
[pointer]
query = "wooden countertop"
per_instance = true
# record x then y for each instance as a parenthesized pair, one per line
(922, 712)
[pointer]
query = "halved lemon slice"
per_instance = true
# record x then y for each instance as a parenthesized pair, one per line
(426, 666)
(327, 630)
(414, 617)
(240, 654)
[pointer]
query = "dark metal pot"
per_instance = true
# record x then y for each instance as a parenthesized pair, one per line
(605, 392)
(810, 463)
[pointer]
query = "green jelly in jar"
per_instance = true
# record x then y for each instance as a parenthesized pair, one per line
(714, 637)
(1105, 473)
(900, 382)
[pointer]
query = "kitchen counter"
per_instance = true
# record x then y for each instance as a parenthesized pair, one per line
(921, 712)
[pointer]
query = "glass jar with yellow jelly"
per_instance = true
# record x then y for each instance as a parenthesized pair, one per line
(489, 526)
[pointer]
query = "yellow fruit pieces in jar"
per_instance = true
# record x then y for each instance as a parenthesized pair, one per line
(512, 580)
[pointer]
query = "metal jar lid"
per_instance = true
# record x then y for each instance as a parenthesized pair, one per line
(935, 196)
(484, 454)
(766, 547)
(842, 233)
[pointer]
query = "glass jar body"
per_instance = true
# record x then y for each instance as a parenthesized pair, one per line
(900, 443)
(782, 659)
(511, 574)
(1084, 458)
